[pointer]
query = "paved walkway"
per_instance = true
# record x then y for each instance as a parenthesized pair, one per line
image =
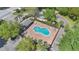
(54, 46)
(61, 18)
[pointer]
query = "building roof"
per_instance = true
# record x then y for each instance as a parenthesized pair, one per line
(26, 22)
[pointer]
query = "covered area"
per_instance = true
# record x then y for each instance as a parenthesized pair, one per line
(26, 23)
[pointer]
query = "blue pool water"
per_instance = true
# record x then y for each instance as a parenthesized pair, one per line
(42, 17)
(43, 31)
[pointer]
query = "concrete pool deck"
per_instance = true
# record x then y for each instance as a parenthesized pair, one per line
(34, 35)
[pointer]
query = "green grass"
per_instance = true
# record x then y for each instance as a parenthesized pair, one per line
(70, 21)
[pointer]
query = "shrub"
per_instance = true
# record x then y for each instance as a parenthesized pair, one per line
(28, 44)
(8, 30)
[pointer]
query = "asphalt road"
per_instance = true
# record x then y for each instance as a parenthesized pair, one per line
(11, 45)
(7, 12)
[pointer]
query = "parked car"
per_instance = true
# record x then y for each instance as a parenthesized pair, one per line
(2, 42)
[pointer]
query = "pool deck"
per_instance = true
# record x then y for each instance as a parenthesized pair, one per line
(34, 35)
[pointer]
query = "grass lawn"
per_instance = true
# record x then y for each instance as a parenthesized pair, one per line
(70, 21)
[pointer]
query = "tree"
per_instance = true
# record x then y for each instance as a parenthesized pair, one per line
(17, 11)
(65, 43)
(70, 41)
(4, 30)
(15, 29)
(42, 46)
(74, 13)
(63, 10)
(57, 25)
(8, 30)
(49, 13)
(28, 44)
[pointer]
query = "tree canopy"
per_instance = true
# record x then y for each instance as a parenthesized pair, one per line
(49, 13)
(4, 30)
(63, 10)
(25, 45)
(28, 44)
(72, 12)
(8, 30)
(70, 41)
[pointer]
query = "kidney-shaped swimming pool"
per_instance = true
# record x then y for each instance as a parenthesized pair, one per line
(42, 30)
